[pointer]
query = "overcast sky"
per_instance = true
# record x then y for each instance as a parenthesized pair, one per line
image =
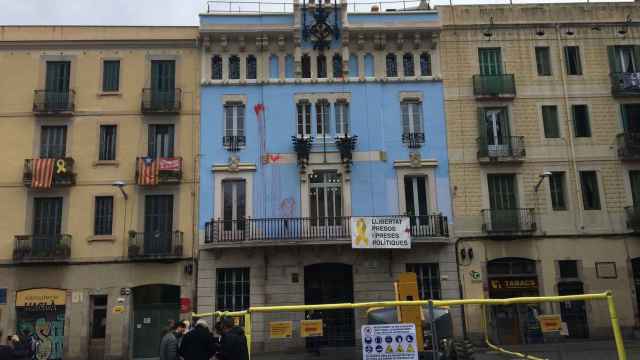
(126, 12)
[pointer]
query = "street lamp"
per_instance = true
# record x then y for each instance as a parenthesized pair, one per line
(545, 174)
(120, 185)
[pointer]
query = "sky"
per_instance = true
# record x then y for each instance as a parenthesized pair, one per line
(130, 12)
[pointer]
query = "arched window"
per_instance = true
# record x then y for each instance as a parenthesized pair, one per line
(425, 64)
(252, 69)
(392, 65)
(369, 67)
(353, 66)
(234, 67)
(306, 66)
(407, 64)
(337, 66)
(216, 67)
(289, 71)
(322, 66)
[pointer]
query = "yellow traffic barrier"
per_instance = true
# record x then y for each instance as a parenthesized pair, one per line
(607, 296)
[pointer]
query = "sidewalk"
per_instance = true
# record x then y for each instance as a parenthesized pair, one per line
(586, 350)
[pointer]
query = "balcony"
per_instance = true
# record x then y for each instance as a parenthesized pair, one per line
(47, 102)
(234, 143)
(163, 102)
(48, 173)
(42, 248)
(509, 149)
(413, 140)
(492, 87)
(625, 84)
(284, 231)
(508, 222)
(633, 218)
(158, 171)
(155, 245)
(629, 145)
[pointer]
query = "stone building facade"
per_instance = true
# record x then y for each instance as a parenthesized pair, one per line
(93, 271)
(542, 107)
(300, 131)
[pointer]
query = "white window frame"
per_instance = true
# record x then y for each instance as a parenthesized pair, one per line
(305, 119)
(323, 118)
(341, 114)
(411, 115)
(227, 174)
(237, 110)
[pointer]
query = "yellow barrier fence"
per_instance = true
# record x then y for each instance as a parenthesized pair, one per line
(605, 296)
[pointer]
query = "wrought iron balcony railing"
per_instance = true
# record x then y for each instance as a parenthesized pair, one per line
(54, 247)
(158, 171)
(49, 102)
(629, 145)
(625, 84)
(155, 244)
(510, 148)
(509, 221)
(494, 86)
(413, 140)
(346, 144)
(161, 101)
(308, 229)
(633, 218)
(234, 143)
(46, 173)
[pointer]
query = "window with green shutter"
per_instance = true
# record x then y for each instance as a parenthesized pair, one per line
(111, 75)
(543, 60)
(557, 190)
(590, 191)
(630, 117)
(581, 126)
(490, 61)
(634, 180)
(550, 121)
(624, 59)
(572, 60)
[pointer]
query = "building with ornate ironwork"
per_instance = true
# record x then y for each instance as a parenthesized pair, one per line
(311, 114)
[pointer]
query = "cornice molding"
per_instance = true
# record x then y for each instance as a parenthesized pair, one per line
(99, 44)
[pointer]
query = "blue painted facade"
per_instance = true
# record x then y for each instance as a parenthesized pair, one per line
(375, 119)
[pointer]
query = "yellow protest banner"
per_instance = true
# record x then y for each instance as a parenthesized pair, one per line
(549, 323)
(280, 329)
(310, 328)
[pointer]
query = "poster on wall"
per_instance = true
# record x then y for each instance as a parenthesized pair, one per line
(41, 312)
(377, 232)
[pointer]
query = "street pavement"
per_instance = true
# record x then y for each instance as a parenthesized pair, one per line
(587, 350)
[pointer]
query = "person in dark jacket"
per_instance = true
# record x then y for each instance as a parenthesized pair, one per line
(233, 344)
(22, 349)
(198, 343)
(5, 350)
(169, 345)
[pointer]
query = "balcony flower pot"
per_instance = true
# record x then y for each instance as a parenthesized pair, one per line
(134, 250)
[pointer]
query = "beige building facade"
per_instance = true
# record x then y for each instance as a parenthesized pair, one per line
(98, 185)
(542, 106)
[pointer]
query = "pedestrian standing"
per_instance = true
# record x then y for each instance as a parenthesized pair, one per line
(179, 332)
(198, 343)
(5, 350)
(233, 344)
(22, 349)
(169, 344)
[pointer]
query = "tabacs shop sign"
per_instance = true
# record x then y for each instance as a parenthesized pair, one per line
(528, 283)
(372, 232)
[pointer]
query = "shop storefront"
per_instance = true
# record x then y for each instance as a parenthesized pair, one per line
(41, 312)
(514, 324)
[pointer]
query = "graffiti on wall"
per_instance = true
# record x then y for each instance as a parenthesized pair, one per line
(41, 312)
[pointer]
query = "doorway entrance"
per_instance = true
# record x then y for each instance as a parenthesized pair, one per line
(153, 307)
(574, 312)
(514, 277)
(635, 266)
(331, 283)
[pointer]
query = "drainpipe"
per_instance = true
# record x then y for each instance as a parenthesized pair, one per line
(460, 286)
(572, 159)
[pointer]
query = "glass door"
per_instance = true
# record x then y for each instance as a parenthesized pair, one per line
(163, 84)
(233, 205)
(416, 201)
(497, 132)
(57, 85)
(325, 198)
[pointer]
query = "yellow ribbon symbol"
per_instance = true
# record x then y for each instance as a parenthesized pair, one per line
(60, 166)
(361, 230)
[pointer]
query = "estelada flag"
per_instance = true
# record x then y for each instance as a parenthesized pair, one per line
(42, 173)
(147, 171)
